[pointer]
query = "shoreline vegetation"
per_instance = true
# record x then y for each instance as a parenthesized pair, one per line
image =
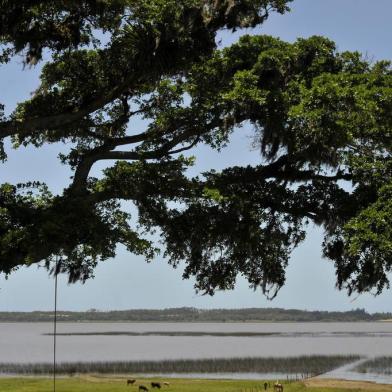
(226, 334)
(169, 333)
(378, 365)
(306, 366)
(197, 315)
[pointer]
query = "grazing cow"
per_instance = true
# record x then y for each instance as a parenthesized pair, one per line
(143, 388)
(156, 385)
(131, 382)
(265, 385)
(278, 387)
(166, 383)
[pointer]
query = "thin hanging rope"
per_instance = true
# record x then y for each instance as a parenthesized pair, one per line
(55, 325)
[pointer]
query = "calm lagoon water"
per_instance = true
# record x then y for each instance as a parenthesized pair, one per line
(27, 342)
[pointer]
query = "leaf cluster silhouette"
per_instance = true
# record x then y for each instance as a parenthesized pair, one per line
(322, 123)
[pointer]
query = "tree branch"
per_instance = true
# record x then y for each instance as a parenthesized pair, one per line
(10, 128)
(193, 144)
(105, 152)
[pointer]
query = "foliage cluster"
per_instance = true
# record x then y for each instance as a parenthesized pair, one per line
(322, 122)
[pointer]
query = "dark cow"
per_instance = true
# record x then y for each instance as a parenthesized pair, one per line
(143, 388)
(156, 385)
(131, 382)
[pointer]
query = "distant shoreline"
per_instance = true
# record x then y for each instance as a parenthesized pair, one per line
(87, 321)
(193, 315)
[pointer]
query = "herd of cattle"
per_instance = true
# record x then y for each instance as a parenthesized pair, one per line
(278, 387)
(143, 388)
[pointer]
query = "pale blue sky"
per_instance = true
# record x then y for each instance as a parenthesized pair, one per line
(127, 281)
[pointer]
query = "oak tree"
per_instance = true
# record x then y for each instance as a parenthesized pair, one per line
(322, 121)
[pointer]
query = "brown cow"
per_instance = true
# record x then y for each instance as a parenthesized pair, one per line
(143, 388)
(278, 387)
(156, 385)
(131, 382)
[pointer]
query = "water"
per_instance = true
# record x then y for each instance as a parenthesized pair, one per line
(27, 342)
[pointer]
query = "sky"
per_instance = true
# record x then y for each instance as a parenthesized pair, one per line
(127, 281)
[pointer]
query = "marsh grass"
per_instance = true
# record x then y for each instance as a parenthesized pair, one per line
(305, 365)
(378, 365)
(169, 333)
(225, 334)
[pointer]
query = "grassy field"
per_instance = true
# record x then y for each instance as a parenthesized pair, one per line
(103, 384)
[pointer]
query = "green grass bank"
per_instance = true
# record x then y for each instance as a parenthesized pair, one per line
(103, 384)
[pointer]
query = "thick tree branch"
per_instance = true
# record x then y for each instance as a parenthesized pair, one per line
(23, 128)
(105, 152)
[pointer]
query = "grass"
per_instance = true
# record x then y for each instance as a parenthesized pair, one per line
(117, 385)
(95, 384)
(378, 365)
(305, 365)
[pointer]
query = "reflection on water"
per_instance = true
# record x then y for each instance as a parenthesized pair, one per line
(27, 342)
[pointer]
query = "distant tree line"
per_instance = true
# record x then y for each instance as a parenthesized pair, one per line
(188, 314)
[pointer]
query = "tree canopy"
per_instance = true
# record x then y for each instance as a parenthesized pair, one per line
(322, 121)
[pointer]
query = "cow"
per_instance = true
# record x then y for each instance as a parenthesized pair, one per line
(143, 388)
(156, 385)
(278, 387)
(131, 382)
(166, 383)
